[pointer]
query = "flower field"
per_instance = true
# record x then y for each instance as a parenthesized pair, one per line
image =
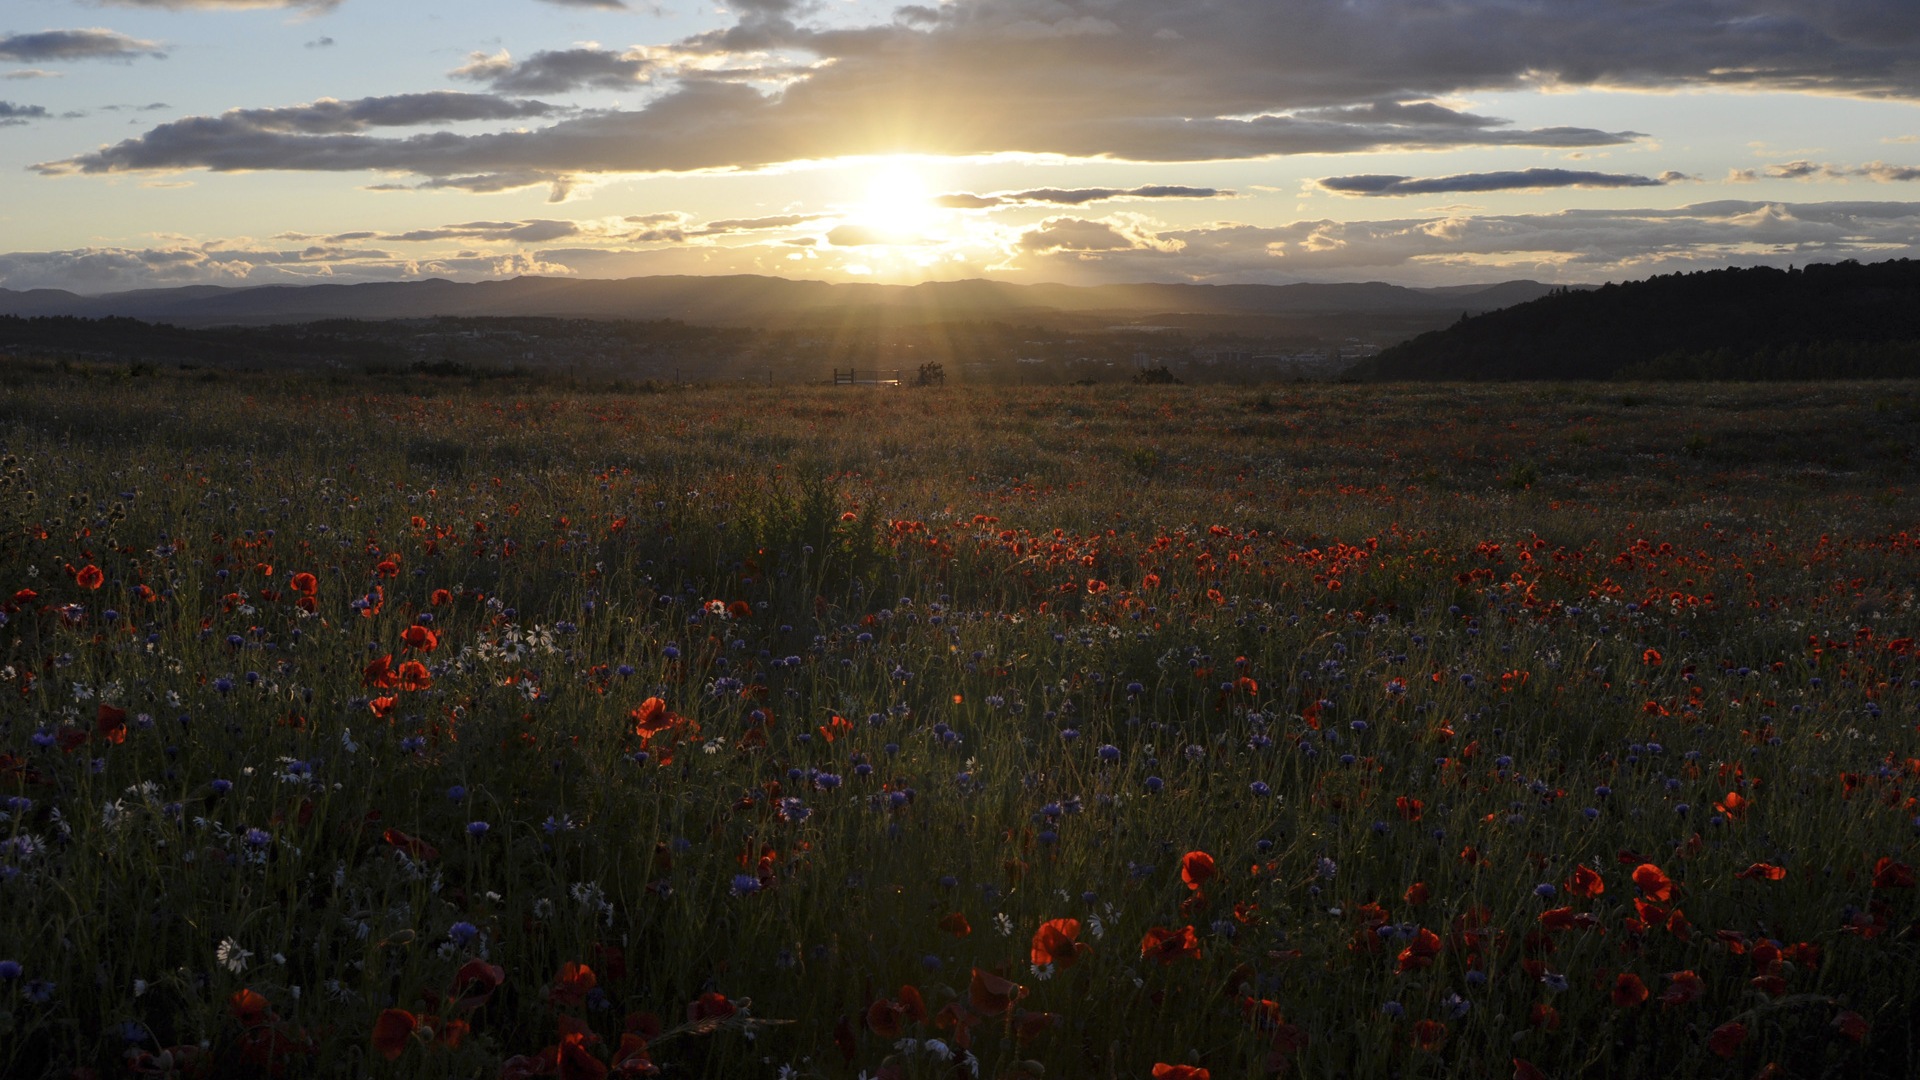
(407, 729)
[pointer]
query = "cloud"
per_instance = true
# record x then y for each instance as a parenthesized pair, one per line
(1425, 248)
(315, 6)
(1132, 80)
(310, 136)
(1075, 234)
(1878, 171)
(12, 114)
(1075, 196)
(556, 71)
(613, 5)
(853, 234)
(539, 231)
(322, 42)
(31, 73)
(1373, 185)
(91, 44)
(740, 225)
(1573, 245)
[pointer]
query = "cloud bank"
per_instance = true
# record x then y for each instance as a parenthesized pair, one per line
(1568, 246)
(95, 43)
(1375, 186)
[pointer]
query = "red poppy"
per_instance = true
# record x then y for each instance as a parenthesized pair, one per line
(413, 675)
(957, 1019)
(710, 1008)
(631, 1058)
(1726, 1039)
(250, 1008)
(571, 984)
(1526, 1070)
(305, 584)
(1420, 952)
(439, 597)
(1586, 882)
(1429, 1035)
(379, 673)
(1763, 871)
(1683, 988)
(474, 983)
(1543, 1016)
(392, 1031)
(1417, 893)
(1654, 882)
(89, 577)
(412, 845)
(1167, 945)
(1054, 943)
(650, 717)
(883, 1018)
(1628, 990)
(1196, 867)
(991, 995)
(1852, 1025)
(110, 724)
(576, 1061)
(1410, 809)
(382, 707)
(956, 924)
(1651, 657)
(1888, 874)
(1180, 1072)
(1028, 1026)
(420, 638)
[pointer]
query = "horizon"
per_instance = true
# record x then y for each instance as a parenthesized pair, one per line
(163, 143)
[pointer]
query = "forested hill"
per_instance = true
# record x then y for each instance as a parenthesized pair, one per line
(1825, 321)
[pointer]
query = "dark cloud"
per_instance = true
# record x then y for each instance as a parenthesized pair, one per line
(307, 136)
(1136, 80)
(1075, 196)
(556, 71)
(1518, 180)
(321, 42)
(12, 114)
(90, 44)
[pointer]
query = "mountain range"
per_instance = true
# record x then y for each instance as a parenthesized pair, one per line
(749, 299)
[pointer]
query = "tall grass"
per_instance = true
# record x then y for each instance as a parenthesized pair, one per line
(1399, 660)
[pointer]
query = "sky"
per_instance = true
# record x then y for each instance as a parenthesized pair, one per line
(157, 143)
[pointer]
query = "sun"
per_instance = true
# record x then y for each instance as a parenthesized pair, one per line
(897, 203)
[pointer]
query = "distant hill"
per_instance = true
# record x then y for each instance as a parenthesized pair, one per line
(749, 300)
(1839, 320)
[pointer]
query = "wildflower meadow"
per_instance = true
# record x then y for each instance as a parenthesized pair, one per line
(415, 728)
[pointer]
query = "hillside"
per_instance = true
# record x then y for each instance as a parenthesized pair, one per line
(1841, 320)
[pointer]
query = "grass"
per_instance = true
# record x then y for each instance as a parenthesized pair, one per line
(1399, 660)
